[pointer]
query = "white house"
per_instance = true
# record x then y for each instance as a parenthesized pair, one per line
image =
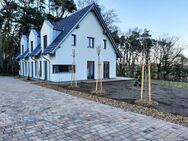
(51, 53)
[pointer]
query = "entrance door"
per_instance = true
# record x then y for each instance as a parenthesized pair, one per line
(28, 69)
(106, 69)
(90, 69)
(31, 69)
(45, 70)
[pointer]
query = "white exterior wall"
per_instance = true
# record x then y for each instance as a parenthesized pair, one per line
(33, 36)
(47, 29)
(89, 27)
(24, 42)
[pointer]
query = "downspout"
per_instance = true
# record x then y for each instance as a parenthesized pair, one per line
(49, 64)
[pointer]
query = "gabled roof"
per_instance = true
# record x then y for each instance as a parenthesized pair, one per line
(18, 56)
(36, 52)
(67, 25)
(25, 54)
(24, 37)
(35, 31)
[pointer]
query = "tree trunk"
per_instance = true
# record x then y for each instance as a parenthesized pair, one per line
(1, 52)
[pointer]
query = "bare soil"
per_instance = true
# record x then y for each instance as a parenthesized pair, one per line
(170, 99)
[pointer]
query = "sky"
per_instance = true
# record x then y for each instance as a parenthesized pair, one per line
(159, 16)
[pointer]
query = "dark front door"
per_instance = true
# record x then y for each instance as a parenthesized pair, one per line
(28, 69)
(106, 69)
(90, 69)
(45, 70)
(31, 69)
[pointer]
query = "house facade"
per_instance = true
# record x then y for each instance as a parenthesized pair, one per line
(69, 46)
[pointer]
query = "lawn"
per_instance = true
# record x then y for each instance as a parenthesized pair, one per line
(171, 83)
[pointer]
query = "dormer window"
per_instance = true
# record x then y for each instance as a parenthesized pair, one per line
(74, 39)
(45, 41)
(31, 45)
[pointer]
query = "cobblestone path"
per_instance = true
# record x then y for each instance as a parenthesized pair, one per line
(30, 112)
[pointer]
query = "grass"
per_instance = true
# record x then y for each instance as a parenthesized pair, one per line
(171, 83)
(6, 74)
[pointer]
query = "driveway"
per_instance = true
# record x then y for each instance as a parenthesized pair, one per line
(30, 112)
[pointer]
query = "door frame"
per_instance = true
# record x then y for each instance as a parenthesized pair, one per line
(45, 70)
(106, 65)
(90, 76)
(31, 69)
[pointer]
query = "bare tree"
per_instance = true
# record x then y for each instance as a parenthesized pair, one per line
(83, 3)
(165, 53)
(110, 17)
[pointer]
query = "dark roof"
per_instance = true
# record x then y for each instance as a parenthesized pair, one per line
(38, 32)
(36, 52)
(18, 56)
(25, 54)
(68, 24)
(65, 26)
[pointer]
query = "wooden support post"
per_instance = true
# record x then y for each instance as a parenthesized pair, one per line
(97, 81)
(73, 67)
(149, 82)
(100, 76)
(142, 83)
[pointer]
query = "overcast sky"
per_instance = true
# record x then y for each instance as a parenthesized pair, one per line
(159, 16)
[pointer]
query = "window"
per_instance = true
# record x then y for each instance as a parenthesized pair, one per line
(36, 68)
(40, 71)
(74, 39)
(25, 68)
(22, 49)
(104, 44)
(22, 68)
(91, 42)
(63, 68)
(31, 45)
(45, 41)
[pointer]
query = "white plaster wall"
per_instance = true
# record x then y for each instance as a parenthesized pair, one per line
(24, 42)
(47, 29)
(21, 68)
(33, 36)
(89, 27)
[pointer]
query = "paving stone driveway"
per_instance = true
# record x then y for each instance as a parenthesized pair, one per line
(30, 112)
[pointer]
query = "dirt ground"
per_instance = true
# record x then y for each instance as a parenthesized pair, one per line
(171, 99)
